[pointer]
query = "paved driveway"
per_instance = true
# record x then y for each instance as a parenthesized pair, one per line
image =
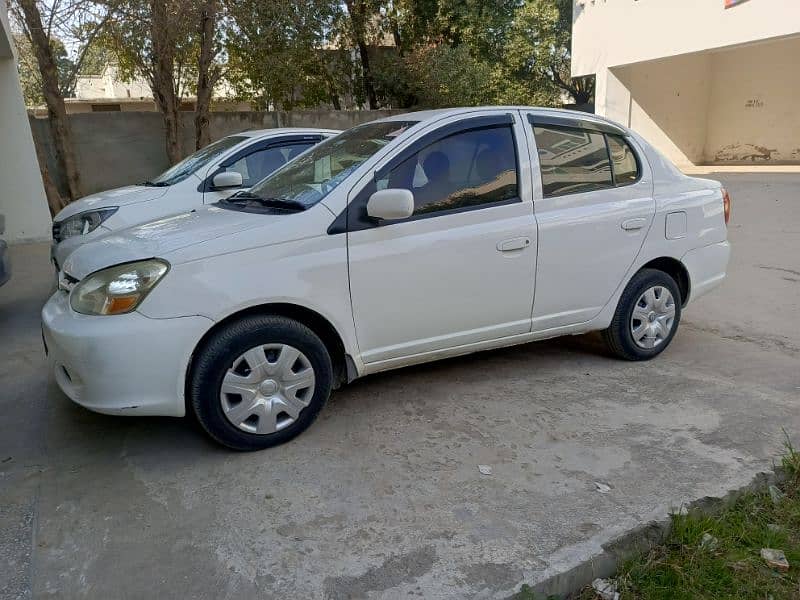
(382, 497)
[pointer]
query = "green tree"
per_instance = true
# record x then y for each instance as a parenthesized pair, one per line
(276, 53)
(31, 78)
(442, 76)
(28, 16)
(361, 19)
(160, 40)
(512, 51)
(209, 70)
(537, 57)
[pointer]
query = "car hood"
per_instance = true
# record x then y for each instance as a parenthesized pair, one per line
(131, 194)
(161, 237)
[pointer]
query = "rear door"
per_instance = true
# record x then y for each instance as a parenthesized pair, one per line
(594, 208)
(255, 162)
(461, 269)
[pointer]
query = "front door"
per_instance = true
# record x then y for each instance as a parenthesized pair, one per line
(461, 269)
(594, 211)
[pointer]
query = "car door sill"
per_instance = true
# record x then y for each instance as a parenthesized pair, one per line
(436, 343)
(511, 340)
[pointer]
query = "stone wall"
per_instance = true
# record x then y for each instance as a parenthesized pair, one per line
(120, 148)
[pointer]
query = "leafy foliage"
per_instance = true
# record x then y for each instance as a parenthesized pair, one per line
(446, 76)
(353, 53)
(509, 51)
(276, 53)
(29, 76)
(130, 37)
(441, 52)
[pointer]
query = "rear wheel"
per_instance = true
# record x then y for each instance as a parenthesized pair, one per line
(646, 318)
(259, 382)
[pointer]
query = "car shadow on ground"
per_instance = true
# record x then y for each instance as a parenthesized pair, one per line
(92, 433)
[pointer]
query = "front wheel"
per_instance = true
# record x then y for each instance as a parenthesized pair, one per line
(646, 318)
(259, 382)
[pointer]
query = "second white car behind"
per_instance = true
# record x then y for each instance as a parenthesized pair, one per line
(231, 163)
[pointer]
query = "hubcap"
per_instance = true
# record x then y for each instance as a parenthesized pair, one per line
(653, 317)
(267, 388)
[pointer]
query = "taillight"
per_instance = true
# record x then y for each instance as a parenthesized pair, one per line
(726, 205)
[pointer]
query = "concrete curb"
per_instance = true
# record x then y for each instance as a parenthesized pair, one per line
(641, 539)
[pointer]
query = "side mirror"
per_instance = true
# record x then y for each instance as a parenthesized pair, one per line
(227, 179)
(391, 204)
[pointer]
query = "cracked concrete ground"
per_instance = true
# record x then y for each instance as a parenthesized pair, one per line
(382, 497)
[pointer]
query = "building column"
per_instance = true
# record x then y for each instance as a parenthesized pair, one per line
(612, 97)
(22, 201)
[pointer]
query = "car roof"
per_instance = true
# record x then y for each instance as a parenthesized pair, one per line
(259, 133)
(663, 170)
(434, 115)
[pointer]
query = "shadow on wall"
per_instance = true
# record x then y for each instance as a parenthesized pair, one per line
(120, 148)
(731, 107)
(669, 104)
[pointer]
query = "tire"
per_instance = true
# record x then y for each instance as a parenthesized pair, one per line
(620, 337)
(281, 407)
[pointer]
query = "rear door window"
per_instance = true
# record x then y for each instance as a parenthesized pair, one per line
(573, 160)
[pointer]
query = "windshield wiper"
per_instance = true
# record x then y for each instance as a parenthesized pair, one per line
(284, 203)
(155, 183)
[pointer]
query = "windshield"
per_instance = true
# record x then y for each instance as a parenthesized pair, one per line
(196, 161)
(313, 175)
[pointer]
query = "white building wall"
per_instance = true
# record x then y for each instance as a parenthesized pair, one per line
(609, 33)
(703, 83)
(669, 104)
(754, 106)
(22, 198)
(109, 86)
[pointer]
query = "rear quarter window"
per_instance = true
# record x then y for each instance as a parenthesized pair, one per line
(623, 160)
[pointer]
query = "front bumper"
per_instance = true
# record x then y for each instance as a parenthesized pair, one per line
(122, 364)
(5, 263)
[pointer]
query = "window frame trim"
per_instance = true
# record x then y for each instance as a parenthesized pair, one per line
(562, 123)
(575, 122)
(344, 223)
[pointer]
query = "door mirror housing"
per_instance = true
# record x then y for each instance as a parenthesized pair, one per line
(391, 204)
(227, 179)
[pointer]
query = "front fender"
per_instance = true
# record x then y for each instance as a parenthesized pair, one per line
(310, 273)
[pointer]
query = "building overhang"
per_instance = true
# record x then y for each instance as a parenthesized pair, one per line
(625, 32)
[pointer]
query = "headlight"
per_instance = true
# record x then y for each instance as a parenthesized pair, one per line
(117, 290)
(82, 223)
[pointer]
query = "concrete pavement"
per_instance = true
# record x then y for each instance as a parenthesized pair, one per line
(382, 497)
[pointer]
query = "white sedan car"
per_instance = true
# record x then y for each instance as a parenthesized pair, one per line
(405, 240)
(210, 174)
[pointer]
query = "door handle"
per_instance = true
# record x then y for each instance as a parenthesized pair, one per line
(631, 224)
(519, 243)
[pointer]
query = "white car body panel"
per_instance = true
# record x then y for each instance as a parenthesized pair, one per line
(421, 306)
(435, 306)
(408, 292)
(142, 204)
(588, 225)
